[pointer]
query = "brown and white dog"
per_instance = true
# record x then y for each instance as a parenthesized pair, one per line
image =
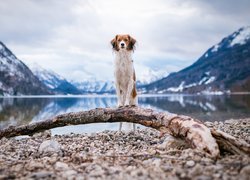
(125, 79)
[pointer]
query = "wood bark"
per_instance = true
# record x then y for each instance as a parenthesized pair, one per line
(191, 130)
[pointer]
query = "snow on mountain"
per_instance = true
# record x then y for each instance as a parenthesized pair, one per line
(9, 62)
(15, 77)
(149, 75)
(222, 68)
(241, 36)
(95, 86)
(182, 86)
(53, 81)
(48, 77)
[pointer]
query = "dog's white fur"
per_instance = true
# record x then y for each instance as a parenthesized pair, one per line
(125, 80)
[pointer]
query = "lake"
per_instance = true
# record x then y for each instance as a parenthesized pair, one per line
(23, 110)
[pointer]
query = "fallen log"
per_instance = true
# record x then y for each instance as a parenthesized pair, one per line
(229, 143)
(191, 130)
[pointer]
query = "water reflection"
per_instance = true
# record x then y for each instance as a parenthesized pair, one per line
(17, 111)
(206, 108)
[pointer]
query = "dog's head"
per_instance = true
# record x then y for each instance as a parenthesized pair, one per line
(123, 42)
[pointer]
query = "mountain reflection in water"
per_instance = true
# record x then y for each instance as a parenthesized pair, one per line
(18, 111)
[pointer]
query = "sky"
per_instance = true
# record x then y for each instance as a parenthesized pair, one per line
(73, 37)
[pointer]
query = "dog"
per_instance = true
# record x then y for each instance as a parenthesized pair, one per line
(125, 78)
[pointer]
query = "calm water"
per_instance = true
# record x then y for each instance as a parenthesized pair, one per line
(17, 111)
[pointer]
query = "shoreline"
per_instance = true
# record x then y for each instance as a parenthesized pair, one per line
(114, 95)
(140, 154)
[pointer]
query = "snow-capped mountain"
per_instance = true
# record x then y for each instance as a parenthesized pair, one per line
(100, 86)
(16, 78)
(53, 81)
(95, 86)
(149, 75)
(222, 68)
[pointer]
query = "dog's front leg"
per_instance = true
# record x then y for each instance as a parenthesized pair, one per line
(129, 91)
(119, 96)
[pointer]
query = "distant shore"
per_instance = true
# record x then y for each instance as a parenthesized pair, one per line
(113, 95)
(140, 154)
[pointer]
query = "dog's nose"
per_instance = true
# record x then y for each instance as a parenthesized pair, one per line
(122, 44)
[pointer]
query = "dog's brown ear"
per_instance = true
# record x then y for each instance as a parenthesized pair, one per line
(114, 43)
(132, 42)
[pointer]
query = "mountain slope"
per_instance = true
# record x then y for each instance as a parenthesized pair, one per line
(16, 78)
(223, 67)
(53, 81)
(148, 75)
(95, 86)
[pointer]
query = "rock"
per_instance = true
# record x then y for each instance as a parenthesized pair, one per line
(116, 155)
(197, 158)
(206, 161)
(217, 175)
(157, 162)
(49, 147)
(197, 170)
(18, 168)
(10, 176)
(245, 173)
(138, 172)
(152, 151)
(42, 174)
(203, 177)
(190, 163)
(36, 165)
(96, 171)
(61, 166)
(209, 124)
(69, 173)
(44, 134)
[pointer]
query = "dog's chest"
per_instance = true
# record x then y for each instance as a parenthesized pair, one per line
(123, 67)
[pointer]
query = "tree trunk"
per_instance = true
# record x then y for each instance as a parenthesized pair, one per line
(191, 130)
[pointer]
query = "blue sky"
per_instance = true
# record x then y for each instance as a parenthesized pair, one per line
(73, 37)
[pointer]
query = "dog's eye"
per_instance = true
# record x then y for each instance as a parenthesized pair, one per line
(119, 39)
(126, 40)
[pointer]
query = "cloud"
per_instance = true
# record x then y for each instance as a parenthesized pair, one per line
(72, 37)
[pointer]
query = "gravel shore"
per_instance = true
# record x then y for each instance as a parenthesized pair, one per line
(141, 154)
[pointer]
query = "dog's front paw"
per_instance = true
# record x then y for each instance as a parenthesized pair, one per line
(133, 105)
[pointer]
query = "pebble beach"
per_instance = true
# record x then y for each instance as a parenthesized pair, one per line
(140, 154)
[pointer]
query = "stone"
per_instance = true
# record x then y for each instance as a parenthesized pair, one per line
(203, 177)
(40, 175)
(157, 162)
(33, 165)
(121, 156)
(209, 124)
(190, 163)
(49, 146)
(60, 166)
(69, 173)
(18, 167)
(197, 170)
(245, 173)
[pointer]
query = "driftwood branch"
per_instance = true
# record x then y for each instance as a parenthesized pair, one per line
(229, 143)
(192, 131)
